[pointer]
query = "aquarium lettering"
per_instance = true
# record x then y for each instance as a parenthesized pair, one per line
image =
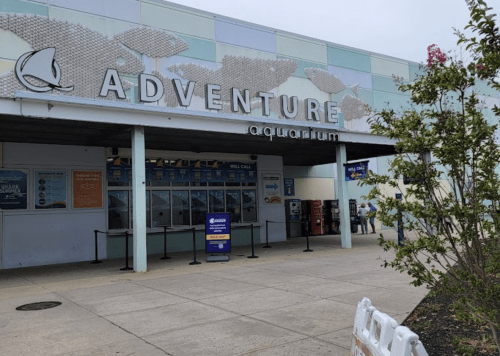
(152, 89)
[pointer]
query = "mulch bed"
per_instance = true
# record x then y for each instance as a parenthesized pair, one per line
(443, 335)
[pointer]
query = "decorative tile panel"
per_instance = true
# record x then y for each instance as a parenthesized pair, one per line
(177, 20)
(245, 35)
(347, 58)
(295, 47)
(389, 67)
(125, 10)
(17, 6)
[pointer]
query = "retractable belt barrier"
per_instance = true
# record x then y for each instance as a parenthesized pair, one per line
(377, 334)
(165, 227)
(126, 268)
(96, 246)
(281, 222)
(251, 238)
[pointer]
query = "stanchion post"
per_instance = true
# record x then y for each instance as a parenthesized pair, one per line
(165, 257)
(307, 238)
(267, 235)
(194, 249)
(96, 249)
(253, 247)
(126, 268)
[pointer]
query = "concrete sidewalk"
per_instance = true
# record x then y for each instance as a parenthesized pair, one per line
(286, 302)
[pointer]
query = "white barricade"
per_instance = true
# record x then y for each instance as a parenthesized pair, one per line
(377, 334)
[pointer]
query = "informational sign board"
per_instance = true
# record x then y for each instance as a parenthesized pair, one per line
(87, 189)
(232, 172)
(50, 189)
(359, 348)
(272, 188)
(410, 180)
(289, 187)
(13, 189)
(218, 233)
(356, 171)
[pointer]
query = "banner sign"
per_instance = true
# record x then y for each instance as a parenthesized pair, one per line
(272, 188)
(218, 233)
(87, 189)
(289, 187)
(355, 171)
(50, 189)
(13, 189)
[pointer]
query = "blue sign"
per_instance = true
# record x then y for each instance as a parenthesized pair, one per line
(13, 190)
(218, 233)
(289, 187)
(118, 172)
(232, 172)
(356, 171)
(50, 189)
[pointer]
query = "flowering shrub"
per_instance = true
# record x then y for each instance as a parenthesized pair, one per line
(435, 56)
(481, 67)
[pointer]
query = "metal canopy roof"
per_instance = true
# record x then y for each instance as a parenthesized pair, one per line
(295, 152)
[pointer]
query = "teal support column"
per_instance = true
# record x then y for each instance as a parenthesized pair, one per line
(139, 198)
(343, 197)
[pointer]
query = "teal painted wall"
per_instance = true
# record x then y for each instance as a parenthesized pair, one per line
(17, 6)
(199, 49)
(349, 59)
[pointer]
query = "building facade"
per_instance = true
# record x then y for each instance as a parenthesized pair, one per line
(130, 115)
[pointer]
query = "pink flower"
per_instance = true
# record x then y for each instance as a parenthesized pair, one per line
(481, 67)
(435, 56)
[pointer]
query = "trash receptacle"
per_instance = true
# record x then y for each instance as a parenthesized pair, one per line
(354, 224)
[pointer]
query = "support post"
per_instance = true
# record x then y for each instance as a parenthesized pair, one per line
(253, 247)
(343, 197)
(267, 235)
(96, 249)
(139, 199)
(307, 239)
(194, 249)
(126, 268)
(165, 257)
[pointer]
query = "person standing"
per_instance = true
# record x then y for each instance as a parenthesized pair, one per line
(362, 212)
(372, 219)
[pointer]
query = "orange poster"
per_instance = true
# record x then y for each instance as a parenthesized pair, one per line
(87, 189)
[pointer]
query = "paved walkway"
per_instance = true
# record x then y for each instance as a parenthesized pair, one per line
(286, 302)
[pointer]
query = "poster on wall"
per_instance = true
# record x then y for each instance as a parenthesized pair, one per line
(118, 172)
(50, 190)
(87, 189)
(13, 189)
(217, 233)
(355, 171)
(289, 187)
(272, 188)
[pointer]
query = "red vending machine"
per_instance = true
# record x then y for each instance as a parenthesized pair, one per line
(317, 222)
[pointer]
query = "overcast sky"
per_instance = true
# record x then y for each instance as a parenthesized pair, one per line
(398, 28)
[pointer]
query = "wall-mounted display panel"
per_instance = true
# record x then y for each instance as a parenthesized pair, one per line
(87, 189)
(13, 189)
(50, 189)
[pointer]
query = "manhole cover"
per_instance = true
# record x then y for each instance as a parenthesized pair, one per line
(38, 306)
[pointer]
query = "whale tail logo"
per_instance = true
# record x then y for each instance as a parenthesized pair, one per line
(40, 65)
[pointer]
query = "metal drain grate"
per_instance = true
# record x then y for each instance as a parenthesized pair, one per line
(38, 306)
